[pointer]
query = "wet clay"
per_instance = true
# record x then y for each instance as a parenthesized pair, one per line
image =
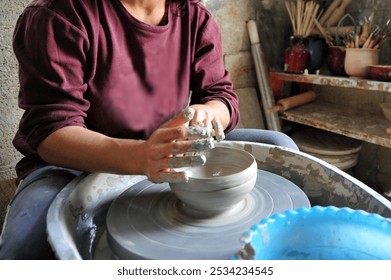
(225, 179)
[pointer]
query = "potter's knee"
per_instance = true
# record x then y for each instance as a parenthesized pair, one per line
(284, 140)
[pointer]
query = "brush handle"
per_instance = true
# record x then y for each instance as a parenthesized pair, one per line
(338, 13)
(329, 11)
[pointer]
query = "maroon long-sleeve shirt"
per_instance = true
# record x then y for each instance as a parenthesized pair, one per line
(90, 63)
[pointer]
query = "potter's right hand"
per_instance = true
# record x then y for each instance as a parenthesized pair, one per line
(167, 147)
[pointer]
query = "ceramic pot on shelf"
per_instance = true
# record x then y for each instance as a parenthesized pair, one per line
(317, 48)
(297, 56)
(336, 60)
(357, 61)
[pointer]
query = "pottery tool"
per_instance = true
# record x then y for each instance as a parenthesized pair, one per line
(370, 42)
(326, 37)
(294, 101)
(330, 10)
(372, 16)
(262, 73)
(364, 31)
(351, 37)
(338, 13)
(302, 16)
(332, 31)
(381, 36)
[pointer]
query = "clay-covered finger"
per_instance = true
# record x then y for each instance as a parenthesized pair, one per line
(172, 177)
(201, 145)
(183, 117)
(198, 132)
(186, 161)
(180, 133)
(219, 130)
(183, 146)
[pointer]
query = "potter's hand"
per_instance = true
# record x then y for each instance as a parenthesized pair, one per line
(166, 147)
(205, 118)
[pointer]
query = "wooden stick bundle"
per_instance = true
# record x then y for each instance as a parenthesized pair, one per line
(302, 15)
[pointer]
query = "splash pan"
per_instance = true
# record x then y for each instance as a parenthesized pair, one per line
(319, 233)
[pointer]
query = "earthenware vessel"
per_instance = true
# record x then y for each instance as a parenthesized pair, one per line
(297, 56)
(357, 61)
(336, 60)
(317, 48)
(224, 181)
(380, 72)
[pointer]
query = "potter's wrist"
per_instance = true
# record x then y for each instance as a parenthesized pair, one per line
(130, 156)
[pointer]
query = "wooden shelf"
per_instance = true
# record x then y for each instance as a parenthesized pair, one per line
(333, 81)
(342, 120)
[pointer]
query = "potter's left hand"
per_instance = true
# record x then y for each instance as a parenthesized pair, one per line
(203, 117)
(181, 144)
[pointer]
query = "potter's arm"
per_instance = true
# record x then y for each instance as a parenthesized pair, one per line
(80, 148)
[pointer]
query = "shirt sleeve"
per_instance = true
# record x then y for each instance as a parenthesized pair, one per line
(52, 56)
(211, 80)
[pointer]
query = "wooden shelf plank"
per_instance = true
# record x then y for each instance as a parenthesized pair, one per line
(333, 81)
(342, 120)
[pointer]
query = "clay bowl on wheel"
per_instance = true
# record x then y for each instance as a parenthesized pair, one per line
(380, 72)
(222, 183)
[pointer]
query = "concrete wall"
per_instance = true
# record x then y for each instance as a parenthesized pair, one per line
(274, 29)
(9, 112)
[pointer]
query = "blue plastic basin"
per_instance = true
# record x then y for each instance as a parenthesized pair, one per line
(319, 233)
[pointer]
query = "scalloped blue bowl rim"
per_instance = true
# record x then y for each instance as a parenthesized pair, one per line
(318, 232)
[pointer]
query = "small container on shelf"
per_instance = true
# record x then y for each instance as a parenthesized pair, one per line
(380, 72)
(336, 60)
(357, 61)
(297, 56)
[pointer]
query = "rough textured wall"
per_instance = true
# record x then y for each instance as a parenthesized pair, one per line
(273, 28)
(9, 112)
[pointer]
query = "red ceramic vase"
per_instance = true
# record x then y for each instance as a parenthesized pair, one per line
(297, 56)
(336, 60)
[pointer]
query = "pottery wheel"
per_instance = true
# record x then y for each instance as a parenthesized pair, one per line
(147, 221)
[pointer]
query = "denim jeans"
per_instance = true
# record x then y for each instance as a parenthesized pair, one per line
(24, 230)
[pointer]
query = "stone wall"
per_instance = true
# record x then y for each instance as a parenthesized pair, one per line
(9, 112)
